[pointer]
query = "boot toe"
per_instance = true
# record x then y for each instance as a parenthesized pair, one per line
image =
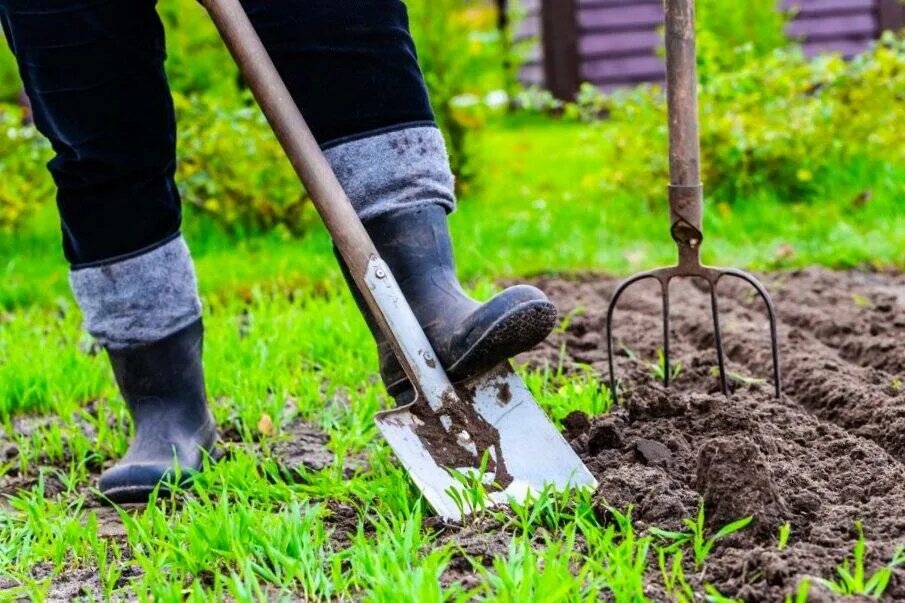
(512, 322)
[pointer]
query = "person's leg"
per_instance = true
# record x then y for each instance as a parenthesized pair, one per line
(93, 70)
(351, 67)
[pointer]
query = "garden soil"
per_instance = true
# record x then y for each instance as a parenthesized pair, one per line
(829, 452)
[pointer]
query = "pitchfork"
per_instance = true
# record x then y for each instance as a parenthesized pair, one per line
(686, 198)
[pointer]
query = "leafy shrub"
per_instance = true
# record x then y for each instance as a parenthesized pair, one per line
(753, 27)
(461, 53)
(197, 60)
(24, 183)
(232, 167)
(785, 123)
(9, 74)
(777, 122)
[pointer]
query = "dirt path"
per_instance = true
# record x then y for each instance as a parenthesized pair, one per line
(832, 451)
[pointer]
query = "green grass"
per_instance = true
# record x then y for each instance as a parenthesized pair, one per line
(284, 340)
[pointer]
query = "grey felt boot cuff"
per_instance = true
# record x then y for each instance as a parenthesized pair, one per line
(400, 169)
(141, 299)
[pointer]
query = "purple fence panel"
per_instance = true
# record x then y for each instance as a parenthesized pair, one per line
(625, 69)
(829, 28)
(806, 8)
(532, 75)
(529, 28)
(620, 18)
(617, 40)
(597, 45)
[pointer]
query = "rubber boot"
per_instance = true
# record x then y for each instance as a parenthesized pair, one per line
(468, 337)
(163, 385)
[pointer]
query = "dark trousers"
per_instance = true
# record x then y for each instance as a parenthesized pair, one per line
(93, 70)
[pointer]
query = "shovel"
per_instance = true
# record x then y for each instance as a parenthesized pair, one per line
(468, 446)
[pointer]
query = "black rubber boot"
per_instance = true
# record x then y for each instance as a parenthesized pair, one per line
(467, 336)
(163, 385)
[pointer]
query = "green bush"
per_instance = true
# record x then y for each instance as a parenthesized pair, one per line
(753, 27)
(786, 124)
(232, 168)
(9, 74)
(461, 53)
(24, 183)
(197, 60)
(777, 122)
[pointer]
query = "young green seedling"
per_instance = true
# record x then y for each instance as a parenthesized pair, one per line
(851, 575)
(471, 495)
(715, 596)
(658, 368)
(785, 530)
(896, 384)
(673, 573)
(801, 593)
(700, 544)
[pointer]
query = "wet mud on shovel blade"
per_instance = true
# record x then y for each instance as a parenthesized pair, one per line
(534, 454)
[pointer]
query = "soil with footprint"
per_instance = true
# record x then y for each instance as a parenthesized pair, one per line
(830, 452)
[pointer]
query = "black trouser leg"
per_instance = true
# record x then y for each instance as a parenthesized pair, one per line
(93, 70)
(349, 64)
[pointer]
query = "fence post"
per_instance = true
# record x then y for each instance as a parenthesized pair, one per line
(890, 14)
(559, 31)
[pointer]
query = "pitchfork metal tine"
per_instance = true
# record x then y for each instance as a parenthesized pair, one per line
(609, 324)
(717, 330)
(771, 313)
(664, 284)
(718, 338)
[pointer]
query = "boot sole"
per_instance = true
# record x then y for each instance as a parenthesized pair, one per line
(521, 329)
(132, 494)
(139, 493)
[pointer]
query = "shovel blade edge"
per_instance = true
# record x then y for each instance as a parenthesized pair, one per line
(535, 454)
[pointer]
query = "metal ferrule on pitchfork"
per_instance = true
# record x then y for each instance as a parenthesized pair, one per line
(686, 200)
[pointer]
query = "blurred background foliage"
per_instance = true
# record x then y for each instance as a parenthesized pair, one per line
(771, 119)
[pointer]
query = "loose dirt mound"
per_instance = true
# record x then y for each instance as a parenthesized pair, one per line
(830, 452)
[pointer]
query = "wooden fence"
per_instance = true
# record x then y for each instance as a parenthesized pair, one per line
(613, 43)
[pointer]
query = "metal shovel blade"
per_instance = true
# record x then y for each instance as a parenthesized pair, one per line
(534, 454)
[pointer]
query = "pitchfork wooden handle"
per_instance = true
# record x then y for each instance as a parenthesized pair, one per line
(685, 190)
